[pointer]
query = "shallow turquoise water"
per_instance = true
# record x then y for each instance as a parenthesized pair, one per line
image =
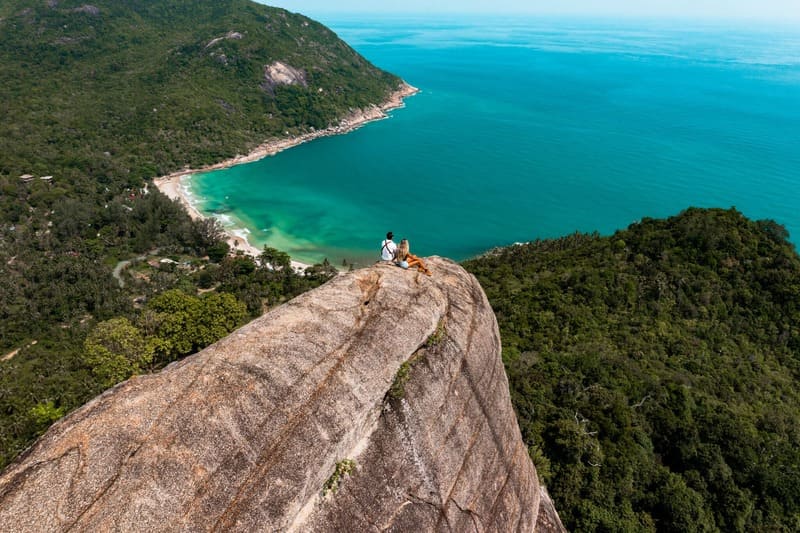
(534, 129)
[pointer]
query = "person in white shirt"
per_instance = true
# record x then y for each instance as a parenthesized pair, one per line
(388, 248)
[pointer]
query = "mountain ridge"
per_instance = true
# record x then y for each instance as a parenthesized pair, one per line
(144, 88)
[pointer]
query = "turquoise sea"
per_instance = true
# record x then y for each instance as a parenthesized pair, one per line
(534, 128)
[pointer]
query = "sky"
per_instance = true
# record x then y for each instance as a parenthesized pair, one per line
(723, 9)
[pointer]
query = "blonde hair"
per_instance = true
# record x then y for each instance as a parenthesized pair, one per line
(402, 250)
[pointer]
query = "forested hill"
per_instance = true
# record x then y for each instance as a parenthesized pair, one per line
(102, 277)
(655, 372)
(118, 90)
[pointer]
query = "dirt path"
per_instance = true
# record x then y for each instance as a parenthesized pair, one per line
(122, 265)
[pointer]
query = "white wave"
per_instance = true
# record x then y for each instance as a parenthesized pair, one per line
(225, 220)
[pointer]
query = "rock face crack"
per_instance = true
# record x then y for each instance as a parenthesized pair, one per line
(475, 516)
(243, 435)
(266, 460)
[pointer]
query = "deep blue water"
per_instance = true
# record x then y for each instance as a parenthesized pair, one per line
(536, 128)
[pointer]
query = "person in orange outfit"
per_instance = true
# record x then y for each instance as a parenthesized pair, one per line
(404, 255)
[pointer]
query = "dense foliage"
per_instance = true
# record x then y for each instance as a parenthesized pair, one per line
(123, 90)
(655, 372)
(101, 276)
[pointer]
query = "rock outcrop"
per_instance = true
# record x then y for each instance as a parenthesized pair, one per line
(231, 35)
(279, 73)
(388, 377)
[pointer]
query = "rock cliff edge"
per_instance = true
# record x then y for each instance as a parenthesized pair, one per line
(391, 378)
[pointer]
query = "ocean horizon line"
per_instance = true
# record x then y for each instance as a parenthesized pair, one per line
(520, 18)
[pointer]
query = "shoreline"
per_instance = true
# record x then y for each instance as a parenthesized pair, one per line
(170, 185)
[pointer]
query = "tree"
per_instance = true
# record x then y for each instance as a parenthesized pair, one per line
(218, 251)
(208, 233)
(220, 314)
(186, 323)
(275, 259)
(45, 413)
(177, 328)
(321, 272)
(116, 350)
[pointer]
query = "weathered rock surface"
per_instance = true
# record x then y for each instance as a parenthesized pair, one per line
(282, 74)
(231, 35)
(244, 435)
(88, 9)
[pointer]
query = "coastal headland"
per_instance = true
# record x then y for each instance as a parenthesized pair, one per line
(170, 184)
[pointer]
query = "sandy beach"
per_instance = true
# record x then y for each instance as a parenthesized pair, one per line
(170, 184)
